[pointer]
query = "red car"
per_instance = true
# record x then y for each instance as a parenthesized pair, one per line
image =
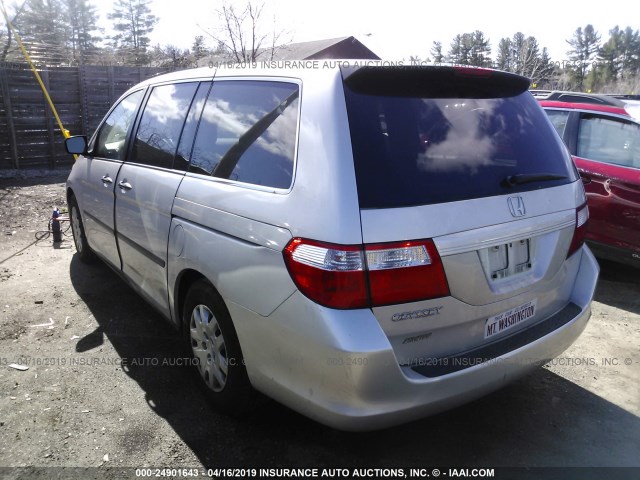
(604, 140)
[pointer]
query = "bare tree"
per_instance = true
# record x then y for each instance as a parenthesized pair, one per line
(242, 33)
(170, 56)
(526, 54)
(521, 54)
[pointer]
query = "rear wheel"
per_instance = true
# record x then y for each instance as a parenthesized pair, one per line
(85, 253)
(213, 342)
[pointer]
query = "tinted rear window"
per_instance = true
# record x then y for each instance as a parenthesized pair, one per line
(422, 150)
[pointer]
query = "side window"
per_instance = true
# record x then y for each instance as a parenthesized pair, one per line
(159, 130)
(609, 140)
(559, 120)
(191, 124)
(111, 139)
(248, 132)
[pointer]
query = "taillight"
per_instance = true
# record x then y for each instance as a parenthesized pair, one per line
(338, 276)
(331, 275)
(405, 272)
(582, 219)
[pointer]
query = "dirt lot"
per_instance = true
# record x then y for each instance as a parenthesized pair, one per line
(102, 388)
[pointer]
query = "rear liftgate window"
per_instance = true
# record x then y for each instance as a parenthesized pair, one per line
(426, 136)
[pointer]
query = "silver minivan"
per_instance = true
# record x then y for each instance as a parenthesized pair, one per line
(365, 244)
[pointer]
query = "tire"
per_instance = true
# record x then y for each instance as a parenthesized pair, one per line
(212, 342)
(85, 254)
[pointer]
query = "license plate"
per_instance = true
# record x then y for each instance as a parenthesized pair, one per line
(509, 259)
(509, 319)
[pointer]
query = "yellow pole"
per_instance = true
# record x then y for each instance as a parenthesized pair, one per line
(33, 69)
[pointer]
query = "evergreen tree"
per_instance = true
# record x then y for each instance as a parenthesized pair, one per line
(618, 62)
(479, 49)
(436, 51)
(44, 30)
(83, 22)
(9, 48)
(470, 49)
(456, 51)
(199, 49)
(504, 59)
(609, 56)
(132, 22)
(547, 67)
(629, 55)
(584, 46)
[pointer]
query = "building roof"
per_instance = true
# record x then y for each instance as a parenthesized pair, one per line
(334, 48)
(341, 48)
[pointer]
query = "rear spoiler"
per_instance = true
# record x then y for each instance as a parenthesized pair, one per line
(433, 81)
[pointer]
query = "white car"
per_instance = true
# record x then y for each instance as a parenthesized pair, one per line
(633, 108)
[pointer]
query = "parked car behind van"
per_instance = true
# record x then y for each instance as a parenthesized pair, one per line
(366, 245)
(605, 143)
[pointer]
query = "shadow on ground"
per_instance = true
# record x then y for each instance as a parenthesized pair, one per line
(619, 286)
(23, 179)
(541, 420)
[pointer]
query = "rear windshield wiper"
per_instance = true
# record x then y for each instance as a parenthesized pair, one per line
(521, 179)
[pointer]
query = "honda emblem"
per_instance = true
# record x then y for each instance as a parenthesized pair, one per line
(516, 206)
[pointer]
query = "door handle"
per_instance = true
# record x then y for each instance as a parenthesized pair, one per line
(107, 179)
(124, 185)
(585, 180)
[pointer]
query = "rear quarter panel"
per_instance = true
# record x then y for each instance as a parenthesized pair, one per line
(234, 234)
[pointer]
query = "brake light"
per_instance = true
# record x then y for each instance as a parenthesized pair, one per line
(350, 276)
(331, 275)
(472, 72)
(582, 220)
(405, 272)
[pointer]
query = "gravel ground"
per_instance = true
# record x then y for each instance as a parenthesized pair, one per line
(105, 387)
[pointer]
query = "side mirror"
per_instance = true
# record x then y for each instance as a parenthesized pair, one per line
(76, 145)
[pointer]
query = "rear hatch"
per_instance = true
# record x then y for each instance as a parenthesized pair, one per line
(469, 205)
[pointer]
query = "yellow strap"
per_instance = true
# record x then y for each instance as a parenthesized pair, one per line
(35, 72)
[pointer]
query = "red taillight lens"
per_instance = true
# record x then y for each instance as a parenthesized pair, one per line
(472, 72)
(331, 275)
(337, 276)
(582, 220)
(405, 272)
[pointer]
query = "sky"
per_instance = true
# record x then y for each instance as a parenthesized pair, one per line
(400, 28)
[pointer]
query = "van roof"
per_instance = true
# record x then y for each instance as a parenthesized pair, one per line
(354, 69)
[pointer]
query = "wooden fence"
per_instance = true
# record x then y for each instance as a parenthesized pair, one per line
(29, 135)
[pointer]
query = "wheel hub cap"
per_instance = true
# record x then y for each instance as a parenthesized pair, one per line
(209, 347)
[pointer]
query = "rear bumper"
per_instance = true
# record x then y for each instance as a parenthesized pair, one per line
(338, 367)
